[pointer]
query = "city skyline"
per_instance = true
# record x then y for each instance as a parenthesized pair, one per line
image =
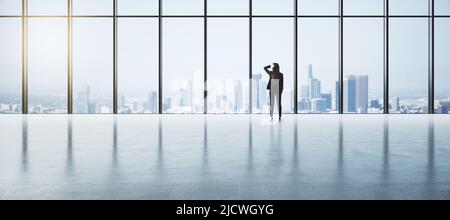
(230, 98)
(188, 49)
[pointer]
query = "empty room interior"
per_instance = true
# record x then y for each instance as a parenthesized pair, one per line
(224, 99)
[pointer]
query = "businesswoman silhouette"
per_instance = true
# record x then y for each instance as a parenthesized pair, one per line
(275, 87)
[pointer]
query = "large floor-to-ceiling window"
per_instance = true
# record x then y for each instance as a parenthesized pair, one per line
(137, 56)
(318, 65)
(408, 56)
(272, 42)
(10, 65)
(47, 57)
(207, 56)
(318, 56)
(137, 65)
(92, 65)
(442, 54)
(227, 83)
(47, 65)
(363, 56)
(183, 63)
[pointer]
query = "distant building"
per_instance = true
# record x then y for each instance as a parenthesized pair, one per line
(327, 97)
(424, 109)
(310, 91)
(238, 96)
(167, 104)
(92, 108)
(356, 93)
(122, 102)
(338, 96)
(304, 104)
(304, 92)
(314, 84)
(292, 100)
(83, 103)
(319, 105)
(442, 109)
(258, 90)
(375, 104)
(445, 104)
(395, 104)
(362, 93)
(350, 94)
(152, 100)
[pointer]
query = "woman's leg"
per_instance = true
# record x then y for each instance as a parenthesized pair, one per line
(279, 104)
(272, 97)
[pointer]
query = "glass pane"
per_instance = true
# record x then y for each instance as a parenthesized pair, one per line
(137, 7)
(273, 7)
(318, 7)
(228, 64)
(442, 65)
(47, 65)
(183, 65)
(228, 7)
(408, 7)
(318, 65)
(408, 65)
(363, 7)
(442, 7)
(92, 65)
(138, 65)
(363, 65)
(92, 7)
(10, 65)
(273, 42)
(47, 7)
(183, 7)
(11, 7)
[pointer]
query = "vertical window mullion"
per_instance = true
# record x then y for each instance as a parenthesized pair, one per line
(295, 57)
(341, 57)
(250, 27)
(69, 59)
(24, 56)
(115, 98)
(386, 59)
(160, 61)
(431, 57)
(205, 57)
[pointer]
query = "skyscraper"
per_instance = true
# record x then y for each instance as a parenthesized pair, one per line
(304, 104)
(238, 101)
(349, 94)
(327, 97)
(84, 100)
(319, 105)
(375, 104)
(153, 100)
(304, 92)
(442, 109)
(338, 96)
(122, 101)
(395, 104)
(314, 84)
(259, 92)
(446, 105)
(256, 90)
(356, 96)
(187, 95)
(362, 93)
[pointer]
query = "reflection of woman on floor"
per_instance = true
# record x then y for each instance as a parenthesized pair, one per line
(275, 87)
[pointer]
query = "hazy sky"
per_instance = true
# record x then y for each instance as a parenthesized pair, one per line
(227, 42)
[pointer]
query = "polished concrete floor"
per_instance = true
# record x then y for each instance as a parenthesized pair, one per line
(224, 157)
